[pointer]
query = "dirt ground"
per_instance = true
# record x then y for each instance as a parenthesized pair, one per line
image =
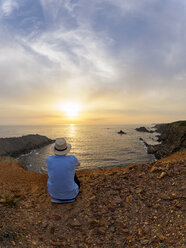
(137, 206)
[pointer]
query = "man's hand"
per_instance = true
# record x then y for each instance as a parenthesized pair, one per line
(78, 164)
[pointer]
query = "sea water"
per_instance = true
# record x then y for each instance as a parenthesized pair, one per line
(95, 146)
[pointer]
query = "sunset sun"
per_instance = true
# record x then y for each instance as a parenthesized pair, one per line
(71, 109)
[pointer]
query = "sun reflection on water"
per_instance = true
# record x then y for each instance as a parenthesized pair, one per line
(72, 131)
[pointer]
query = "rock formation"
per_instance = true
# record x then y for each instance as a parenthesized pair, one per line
(143, 129)
(172, 137)
(16, 146)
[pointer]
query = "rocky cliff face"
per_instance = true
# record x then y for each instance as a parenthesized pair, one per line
(172, 137)
(18, 145)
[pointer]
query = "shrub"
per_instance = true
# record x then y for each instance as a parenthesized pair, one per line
(8, 200)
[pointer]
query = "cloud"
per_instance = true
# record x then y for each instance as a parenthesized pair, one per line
(7, 7)
(58, 54)
(112, 52)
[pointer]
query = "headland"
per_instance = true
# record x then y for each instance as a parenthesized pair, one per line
(16, 146)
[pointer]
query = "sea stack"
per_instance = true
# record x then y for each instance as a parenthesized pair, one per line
(121, 132)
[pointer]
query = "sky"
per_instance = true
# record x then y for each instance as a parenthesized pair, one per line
(112, 61)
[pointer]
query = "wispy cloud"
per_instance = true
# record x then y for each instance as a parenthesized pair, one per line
(112, 52)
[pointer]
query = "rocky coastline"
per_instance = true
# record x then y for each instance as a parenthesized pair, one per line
(16, 146)
(172, 137)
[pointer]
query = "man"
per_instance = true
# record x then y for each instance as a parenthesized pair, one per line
(63, 184)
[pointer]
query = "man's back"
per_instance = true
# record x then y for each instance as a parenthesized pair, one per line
(61, 171)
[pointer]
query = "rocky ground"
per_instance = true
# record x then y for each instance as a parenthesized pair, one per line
(137, 206)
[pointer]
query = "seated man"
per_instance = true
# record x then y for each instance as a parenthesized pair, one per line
(63, 184)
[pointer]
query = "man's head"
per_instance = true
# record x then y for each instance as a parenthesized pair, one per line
(61, 147)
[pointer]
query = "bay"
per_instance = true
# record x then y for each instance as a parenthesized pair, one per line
(95, 146)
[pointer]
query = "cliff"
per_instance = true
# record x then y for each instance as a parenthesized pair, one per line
(172, 137)
(18, 145)
(138, 206)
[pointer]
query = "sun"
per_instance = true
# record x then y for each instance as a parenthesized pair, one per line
(71, 109)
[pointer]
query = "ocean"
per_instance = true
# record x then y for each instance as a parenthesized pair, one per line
(95, 146)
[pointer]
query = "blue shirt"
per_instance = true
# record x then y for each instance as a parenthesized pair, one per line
(61, 172)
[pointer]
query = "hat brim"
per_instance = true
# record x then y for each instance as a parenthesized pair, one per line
(61, 152)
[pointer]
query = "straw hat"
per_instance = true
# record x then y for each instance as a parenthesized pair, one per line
(61, 147)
